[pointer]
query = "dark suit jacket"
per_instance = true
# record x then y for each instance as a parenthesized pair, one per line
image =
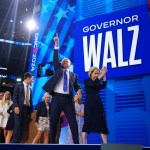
(41, 110)
(51, 83)
(19, 96)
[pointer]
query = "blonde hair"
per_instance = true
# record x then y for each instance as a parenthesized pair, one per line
(92, 69)
(45, 95)
(4, 98)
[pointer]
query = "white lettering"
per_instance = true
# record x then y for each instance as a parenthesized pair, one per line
(112, 23)
(127, 19)
(121, 63)
(119, 21)
(135, 17)
(99, 26)
(106, 25)
(109, 24)
(92, 49)
(92, 27)
(132, 60)
(35, 45)
(109, 47)
(86, 29)
(91, 54)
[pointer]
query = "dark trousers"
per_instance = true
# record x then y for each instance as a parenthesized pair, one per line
(63, 102)
(20, 121)
(2, 138)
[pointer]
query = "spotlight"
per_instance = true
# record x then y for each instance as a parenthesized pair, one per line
(31, 24)
(11, 20)
(21, 21)
(18, 79)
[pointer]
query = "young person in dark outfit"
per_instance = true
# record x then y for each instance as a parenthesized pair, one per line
(42, 119)
(10, 124)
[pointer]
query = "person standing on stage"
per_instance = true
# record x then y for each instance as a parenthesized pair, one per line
(42, 119)
(4, 106)
(60, 86)
(79, 108)
(22, 102)
(94, 115)
(1, 133)
(10, 124)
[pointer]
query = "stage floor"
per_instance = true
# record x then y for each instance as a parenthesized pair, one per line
(52, 147)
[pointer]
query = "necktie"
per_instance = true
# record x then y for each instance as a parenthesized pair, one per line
(27, 95)
(65, 81)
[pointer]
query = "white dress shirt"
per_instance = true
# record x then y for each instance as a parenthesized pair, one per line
(59, 86)
(26, 101)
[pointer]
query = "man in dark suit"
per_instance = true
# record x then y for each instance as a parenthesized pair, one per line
(60, 86)
(22, 103)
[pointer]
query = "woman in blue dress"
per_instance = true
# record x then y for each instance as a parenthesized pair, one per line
(79, 109)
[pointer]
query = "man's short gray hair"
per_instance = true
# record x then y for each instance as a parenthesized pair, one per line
(66, 59)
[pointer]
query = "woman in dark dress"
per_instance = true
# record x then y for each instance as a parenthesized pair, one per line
(10, 124)
(94, 115)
